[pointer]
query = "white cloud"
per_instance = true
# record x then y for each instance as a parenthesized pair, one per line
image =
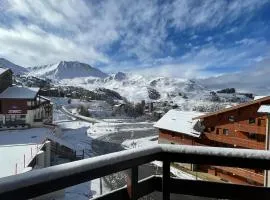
(254, 79)
(44, 32)
(30, 45)
(210, 13)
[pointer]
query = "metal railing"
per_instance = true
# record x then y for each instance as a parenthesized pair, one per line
(43, 181)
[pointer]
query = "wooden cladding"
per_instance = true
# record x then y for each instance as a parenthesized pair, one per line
(248, 174)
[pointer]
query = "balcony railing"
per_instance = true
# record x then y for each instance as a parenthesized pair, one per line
(252, 128)
(259, 178)
(43, 181)
(246, 143)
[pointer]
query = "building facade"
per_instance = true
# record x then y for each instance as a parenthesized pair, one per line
(22, 106)
(242, 126)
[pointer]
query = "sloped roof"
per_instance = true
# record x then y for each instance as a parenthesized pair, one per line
(2, 70)
(180, 122)
(16, 92)
(263, 100)
(264, 109)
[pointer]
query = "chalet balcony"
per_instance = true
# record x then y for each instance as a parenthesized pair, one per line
(43, 181)
(251, 128)
(239, 142)
(259, 178)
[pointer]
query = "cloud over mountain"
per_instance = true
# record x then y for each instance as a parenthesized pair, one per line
(126, 34)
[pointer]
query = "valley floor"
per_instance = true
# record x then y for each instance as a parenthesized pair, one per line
(107, 136)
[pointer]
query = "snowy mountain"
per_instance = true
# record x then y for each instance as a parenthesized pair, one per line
(134, 87)
(66, 70)
(15, 68)
(187, 94)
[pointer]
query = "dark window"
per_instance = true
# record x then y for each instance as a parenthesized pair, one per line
(218, 131)
(231, 118)
(225, 131)
(252, 136)
(251, 120)
(212, 129)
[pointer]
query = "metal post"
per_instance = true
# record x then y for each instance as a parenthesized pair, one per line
(100, 185)
(266, 172)
(166, 180)
(16, 166)
(132, 183)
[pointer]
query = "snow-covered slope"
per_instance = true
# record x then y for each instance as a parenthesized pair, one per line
(136, 87)
(66, 70)
(15, 68)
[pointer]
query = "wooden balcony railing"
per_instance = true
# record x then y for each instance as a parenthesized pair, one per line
(239, 142)
(42, 181)
(259, 178)
(251, 128)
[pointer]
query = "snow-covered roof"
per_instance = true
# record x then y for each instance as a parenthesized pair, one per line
(16, 92)
(264, 109)
(2, 70)
(17, 144)
(259, 97)
(180, 122)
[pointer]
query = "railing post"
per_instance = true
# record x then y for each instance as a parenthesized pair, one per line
(166, 180)
(132, 183)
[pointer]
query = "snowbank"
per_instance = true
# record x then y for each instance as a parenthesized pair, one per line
(141, 142)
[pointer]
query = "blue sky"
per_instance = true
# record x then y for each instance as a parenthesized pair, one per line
(182, 38)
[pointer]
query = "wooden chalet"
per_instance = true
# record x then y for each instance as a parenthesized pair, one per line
(242, 126)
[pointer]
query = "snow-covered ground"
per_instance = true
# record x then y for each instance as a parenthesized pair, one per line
(74, 132)
(141, 142)
(148, 141)
(106, 128)
(19, 146)
(176, 172)
(81, 134)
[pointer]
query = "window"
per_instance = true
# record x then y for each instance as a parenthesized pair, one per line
(251, 120)
(261, 122)
(218, 131)
(252, 136)
(231, 118)
(225, 131)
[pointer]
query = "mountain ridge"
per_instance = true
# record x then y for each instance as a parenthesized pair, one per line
(17, 69)
(66, 70)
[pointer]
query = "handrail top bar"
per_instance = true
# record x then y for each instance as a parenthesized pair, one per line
(216, 151)
(114, 162)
